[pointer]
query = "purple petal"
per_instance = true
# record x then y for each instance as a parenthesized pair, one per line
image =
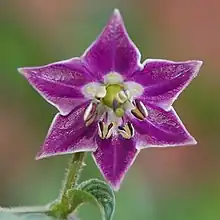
(68, 134)
(59, 83)
(113, 50)
(161, 129)
(114, 156)
(164, 80)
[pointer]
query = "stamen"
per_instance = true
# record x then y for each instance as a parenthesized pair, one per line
(90, 114)
(126, 131)
(121, 97)
(131, 128)
(141, 108)
(123, 132)
(105, 130)
(109, 130)
(101, 129)
(140, 112)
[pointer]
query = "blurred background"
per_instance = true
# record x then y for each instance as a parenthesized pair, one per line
(164, 184)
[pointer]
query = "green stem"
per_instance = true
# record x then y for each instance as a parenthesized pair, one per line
(76, 165)
(25, 210)
(60, 208)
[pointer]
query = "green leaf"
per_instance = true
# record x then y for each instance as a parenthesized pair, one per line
(103, 193)
(96, 192)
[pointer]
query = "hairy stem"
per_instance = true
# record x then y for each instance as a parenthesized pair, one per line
(61, 208)
(76, 165)
(25, 210)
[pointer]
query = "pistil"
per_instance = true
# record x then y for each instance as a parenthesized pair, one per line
(111, 93)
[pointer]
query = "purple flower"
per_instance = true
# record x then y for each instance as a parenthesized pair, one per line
(111, 104)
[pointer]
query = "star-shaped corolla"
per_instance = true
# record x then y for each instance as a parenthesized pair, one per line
(111, 104)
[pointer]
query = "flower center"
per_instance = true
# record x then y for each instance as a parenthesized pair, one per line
(111, 94)
(110, 101)
(116, 97)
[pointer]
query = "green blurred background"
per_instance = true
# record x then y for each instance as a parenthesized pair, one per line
(164, 184)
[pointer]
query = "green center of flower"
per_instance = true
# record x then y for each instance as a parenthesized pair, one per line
(111, 93)
(112, 99)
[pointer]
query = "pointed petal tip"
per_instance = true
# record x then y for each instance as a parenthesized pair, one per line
(115, 187)
(193, 141)
(198, 64)
(195, 65)
(188, 142)
(21, 70)
(116, 12)
(24, 71)
(116, 15)
(40, 156)
(114, 184)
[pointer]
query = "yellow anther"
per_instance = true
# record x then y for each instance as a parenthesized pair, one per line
(105, 130)
(140, 111)
(126, 131)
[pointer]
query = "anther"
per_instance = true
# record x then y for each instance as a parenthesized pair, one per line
(122, 96)
(90, 114)
(131, 128)
(126, 131)
(105, 130)
(101, 129)
(140, 111)
(109, 130)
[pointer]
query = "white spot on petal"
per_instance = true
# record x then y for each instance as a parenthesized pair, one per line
(90, 90)
(134, 88)
(113, 78)
(101, 92)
